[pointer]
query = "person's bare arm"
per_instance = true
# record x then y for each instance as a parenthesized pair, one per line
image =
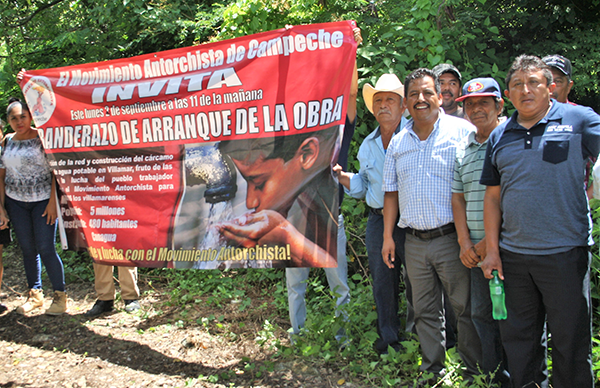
(492, 222)
(343, 176)
(481, 249)
(468, 255)
(3, 214)
(390, 215)
(51, 212)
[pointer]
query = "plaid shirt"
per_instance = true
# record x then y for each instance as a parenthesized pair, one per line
(422, 172)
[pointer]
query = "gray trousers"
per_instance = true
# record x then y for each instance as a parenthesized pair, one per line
(433, 266)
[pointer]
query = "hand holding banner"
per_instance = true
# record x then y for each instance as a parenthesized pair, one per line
(211, 156)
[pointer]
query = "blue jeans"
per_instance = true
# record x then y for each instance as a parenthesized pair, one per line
(386, 283)
(493, 358)
(36, 239)
(336, 277)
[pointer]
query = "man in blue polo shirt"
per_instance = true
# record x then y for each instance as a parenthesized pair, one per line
(537, 228)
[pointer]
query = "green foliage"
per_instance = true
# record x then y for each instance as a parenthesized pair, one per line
(77, 265)
(220, 287)
(481, 37)
(245, 17)
(60, 33)
(595, 265)
(595, 287)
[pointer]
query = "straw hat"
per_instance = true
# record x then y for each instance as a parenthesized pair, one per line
(385, 83)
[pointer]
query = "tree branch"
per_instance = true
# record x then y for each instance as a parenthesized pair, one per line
(23, 21)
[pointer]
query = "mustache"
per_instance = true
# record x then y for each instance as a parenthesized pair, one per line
(421, 103)
(447, 92)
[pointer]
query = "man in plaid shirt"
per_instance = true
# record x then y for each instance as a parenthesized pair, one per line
(418, 175)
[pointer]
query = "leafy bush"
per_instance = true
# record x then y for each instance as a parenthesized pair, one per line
(77, 265)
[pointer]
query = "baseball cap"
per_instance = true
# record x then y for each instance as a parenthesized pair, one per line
(480, 87)
(445, 68)
(559, 62)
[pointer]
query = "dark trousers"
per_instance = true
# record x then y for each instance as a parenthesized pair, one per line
(493, 359)
(557, 288)
(386, 284)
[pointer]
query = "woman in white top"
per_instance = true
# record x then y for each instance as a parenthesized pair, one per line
(28, 199)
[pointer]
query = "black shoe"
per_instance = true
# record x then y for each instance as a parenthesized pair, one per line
(101, 306)
(131, 306)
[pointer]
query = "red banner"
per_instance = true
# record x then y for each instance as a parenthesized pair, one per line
(212, 156)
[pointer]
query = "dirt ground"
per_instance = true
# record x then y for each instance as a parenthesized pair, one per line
(149, 349)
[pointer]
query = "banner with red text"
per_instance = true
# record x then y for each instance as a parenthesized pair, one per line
(213, 156)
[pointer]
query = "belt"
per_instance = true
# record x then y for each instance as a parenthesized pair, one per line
(432, 233)
(379, 212)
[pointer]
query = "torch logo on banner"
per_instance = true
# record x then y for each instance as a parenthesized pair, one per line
(40, 99)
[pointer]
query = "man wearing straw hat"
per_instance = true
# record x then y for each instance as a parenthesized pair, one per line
(385, 102)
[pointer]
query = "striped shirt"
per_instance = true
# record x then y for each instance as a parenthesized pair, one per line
(470, 156)
(422, 171)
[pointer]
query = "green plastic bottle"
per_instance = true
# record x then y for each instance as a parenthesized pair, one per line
(497, 295)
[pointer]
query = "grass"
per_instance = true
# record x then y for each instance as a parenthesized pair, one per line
(262, 292)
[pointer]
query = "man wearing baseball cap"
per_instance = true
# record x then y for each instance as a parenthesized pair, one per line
(561, 73)
(450, 82)
(482, 104)
(385, 102)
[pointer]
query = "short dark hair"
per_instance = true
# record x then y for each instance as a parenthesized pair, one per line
(276, 147)
(421, 73)
(528, 63)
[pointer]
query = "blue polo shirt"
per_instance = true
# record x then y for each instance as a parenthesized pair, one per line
(541, 171)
